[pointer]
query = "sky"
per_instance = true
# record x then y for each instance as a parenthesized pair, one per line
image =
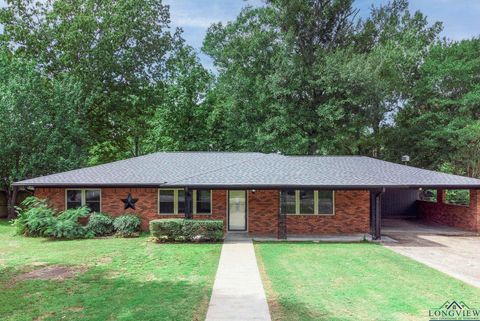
(461, 18)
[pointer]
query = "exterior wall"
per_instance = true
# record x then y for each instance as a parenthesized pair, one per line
(146, 206)
(55, 196)
(352, 210)
(400, 203)
(460, 216)
(263, 208)
(352, 215)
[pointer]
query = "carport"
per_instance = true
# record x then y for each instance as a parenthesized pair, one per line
(405, 209)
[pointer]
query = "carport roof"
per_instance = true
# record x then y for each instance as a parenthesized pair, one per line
(252, 170)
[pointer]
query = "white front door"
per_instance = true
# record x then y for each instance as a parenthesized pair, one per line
(237, 211)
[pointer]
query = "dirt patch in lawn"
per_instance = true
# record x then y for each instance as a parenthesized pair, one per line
(104, 260)
(52, 272)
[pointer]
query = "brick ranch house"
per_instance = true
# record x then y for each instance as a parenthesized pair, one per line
(262, 194)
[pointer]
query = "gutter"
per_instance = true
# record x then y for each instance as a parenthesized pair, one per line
(249, 186)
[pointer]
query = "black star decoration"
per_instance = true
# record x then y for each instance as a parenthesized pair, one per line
(129, 201)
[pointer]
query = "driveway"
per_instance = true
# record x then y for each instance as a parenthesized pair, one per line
(449, 250)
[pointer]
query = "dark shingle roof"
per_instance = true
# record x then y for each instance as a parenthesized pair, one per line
(237, 170)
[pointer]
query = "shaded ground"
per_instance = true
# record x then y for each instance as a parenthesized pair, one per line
(446, 249)
(103, 279)
(356, 281)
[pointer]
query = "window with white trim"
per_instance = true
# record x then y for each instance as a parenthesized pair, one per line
(75, 198)
(307, 202)
(172, 201)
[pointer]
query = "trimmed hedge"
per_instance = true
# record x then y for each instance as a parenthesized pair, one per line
(181, 230)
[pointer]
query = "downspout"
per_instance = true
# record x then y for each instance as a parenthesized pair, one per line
(377, 215)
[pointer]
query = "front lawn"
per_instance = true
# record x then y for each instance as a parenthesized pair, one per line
(357, 281)
(113, 279)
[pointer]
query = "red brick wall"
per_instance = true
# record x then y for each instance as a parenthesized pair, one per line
(463, 217)
(352, 215)
(146, 206)
(263, 211)
(55, 196)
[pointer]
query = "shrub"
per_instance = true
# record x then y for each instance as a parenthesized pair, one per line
(34, 217)
(127, 225)
(66, 225)
(168, 229)
(100, 224)
(203, 230)
(187, 230)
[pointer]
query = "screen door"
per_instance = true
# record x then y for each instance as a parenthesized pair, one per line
(237, 211)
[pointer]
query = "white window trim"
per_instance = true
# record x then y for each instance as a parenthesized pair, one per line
(315, 204)
(83, 198)
(175, 201)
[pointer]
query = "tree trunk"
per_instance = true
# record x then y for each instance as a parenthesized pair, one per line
(11, 194)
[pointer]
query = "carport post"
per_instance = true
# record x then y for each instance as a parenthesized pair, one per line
(377, 215)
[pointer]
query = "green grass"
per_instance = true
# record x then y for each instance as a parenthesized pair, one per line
(125, 279)
(356, 281)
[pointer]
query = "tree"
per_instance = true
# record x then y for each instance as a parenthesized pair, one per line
(119, 51)
(41, 124)
(308, 77)
(440, 125)
(243, 52)
(180, 122)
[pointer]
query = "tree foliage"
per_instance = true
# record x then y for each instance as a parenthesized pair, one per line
(123, 53)
(440, 124)
(41, 123)
(309, 77)
(85, 82)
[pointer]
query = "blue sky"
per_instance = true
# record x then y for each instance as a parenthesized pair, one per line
(461, 18)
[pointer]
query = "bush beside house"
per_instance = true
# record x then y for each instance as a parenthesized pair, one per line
(100, 224)
(182, 230)
(127, 225)
(35, 218)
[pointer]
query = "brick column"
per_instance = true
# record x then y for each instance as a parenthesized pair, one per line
(441, 196)
(475, 206)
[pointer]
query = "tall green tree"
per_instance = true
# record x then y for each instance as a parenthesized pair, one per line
(440, 125)
(180, 122)
(119, 51)
(309, 77)
(41, 126)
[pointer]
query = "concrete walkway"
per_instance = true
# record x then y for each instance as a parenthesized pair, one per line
(238, 292)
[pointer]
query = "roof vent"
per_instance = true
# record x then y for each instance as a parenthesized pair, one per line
(405, 159)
